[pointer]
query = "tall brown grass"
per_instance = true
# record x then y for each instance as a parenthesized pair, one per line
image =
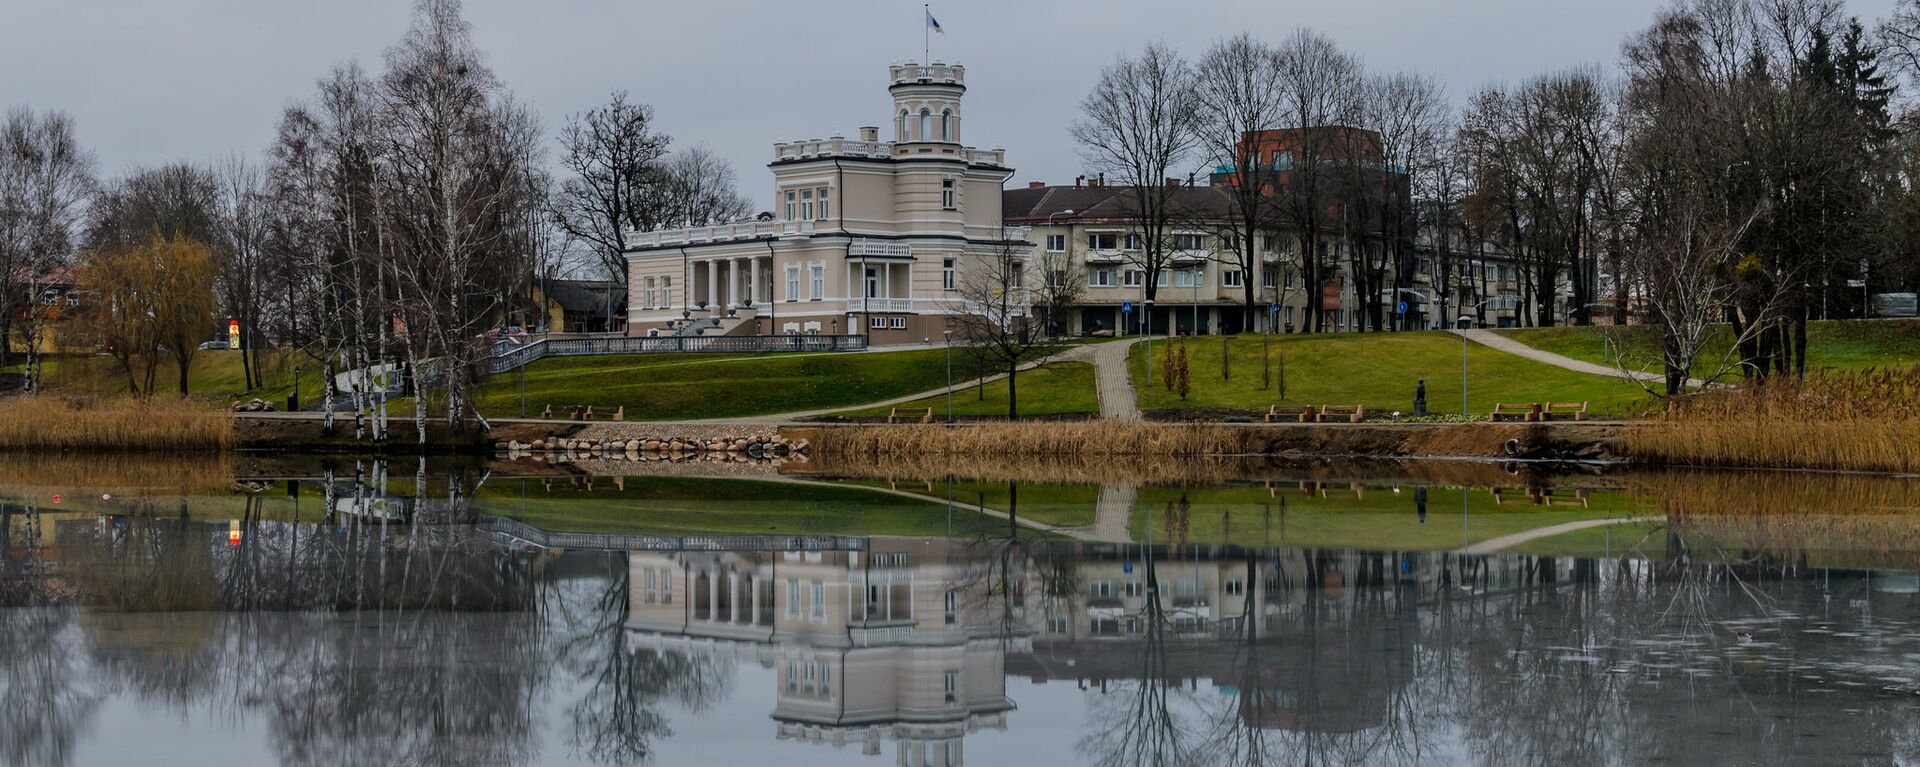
(153, 424)
(1171, 470)
(1840, 520)
(164, 474)
(1847, 420)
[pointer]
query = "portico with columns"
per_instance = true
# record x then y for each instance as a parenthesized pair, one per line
(865, 237)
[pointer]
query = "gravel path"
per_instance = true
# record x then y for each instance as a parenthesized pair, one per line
(1502, 343)
(1113, 513)
(1492, 545)
(1114, 382)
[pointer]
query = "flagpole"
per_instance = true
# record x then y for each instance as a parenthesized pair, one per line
(926, 33)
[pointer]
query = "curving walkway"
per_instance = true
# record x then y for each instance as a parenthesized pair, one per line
(1492, 545)
(1502, 343)
(1114, 381)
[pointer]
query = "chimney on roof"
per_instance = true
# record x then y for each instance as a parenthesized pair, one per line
(1173, 183)
(1103, 178)
(870, 133)
(1036, 184)
(1079, 181)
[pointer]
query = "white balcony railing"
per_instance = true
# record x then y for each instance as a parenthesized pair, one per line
(888, 248)
(889, 304)
(744, 230)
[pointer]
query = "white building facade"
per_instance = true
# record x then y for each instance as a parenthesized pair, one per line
(867, 236)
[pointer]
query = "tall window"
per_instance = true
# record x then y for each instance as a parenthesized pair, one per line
(825, 673)
(818, 288)
(666, 292)
(946, 194)
(824, 213)
(1056, 243)
(1017, 277)
(793, 282)
(646, 297)
(819, 601)
(793, 599)
(926, 125)
(946, 125)
(1268, 278)
(951, 686)
(791, 210)
(900, 125)
(952, 605)
(946, 274)
(806, 204)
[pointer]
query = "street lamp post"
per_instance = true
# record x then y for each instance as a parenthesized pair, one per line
(949, 334)
(1146, 329)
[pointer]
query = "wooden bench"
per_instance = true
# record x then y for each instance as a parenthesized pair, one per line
(1348, 413)
(899, 414)
(586, 412)
(1524, 411)
(1566, 411)
(1302, 414)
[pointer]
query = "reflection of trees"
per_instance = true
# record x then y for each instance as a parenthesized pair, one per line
(617, 717)
(1143, 720)
(45, 702)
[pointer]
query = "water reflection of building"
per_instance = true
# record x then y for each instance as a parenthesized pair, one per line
(904, 642)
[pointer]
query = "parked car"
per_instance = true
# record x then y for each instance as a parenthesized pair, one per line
(215, 346)
(515, 332)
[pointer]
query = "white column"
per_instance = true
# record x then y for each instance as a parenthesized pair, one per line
(733, 597)
(733, 282)
(754, 601)
(713, 596)
(713, 283)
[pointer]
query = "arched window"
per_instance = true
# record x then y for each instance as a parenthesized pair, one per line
(926, 124)
(900, 126)
(946, 125)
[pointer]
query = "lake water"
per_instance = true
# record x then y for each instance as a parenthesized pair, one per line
(305, 612)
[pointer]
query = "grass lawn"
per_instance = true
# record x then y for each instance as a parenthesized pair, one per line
(1061, 388)
(1832, 344)
(661, 387)
(1374, 518)
(216, 376)
(1637, 540)
(1378, 370)
(676, 506)
(1060, 505)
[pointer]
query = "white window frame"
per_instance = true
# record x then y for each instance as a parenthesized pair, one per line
(793, 598)
(1103, 241)
(793, 282)
(822, 211)
(1230, 278)
(1100, 276)
(1133, 278)
(947, 275)
(806, 204)
(1056, 243)
(1132, 242)
(1189, 241)
(817, 282)
(819, 601)
(1269, 279)
(792, 197)
(949, 195)
(898, 323)
(876, 322)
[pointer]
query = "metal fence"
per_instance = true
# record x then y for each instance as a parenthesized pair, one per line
(505, 360)
(615, 542)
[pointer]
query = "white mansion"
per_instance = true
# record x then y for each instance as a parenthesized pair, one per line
(868, 236)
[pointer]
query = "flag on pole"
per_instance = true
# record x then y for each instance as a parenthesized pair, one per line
(934, 24)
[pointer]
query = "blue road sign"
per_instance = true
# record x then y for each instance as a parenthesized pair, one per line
(1126, 307)
(1275, 307)
(1403, 307)
(1126, 567)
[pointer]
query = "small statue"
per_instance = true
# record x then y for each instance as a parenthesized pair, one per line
(1420, 399)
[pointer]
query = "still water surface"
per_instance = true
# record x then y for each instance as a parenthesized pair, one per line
(356, 618)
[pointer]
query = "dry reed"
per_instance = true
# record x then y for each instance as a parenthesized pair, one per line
(155, 424)
(1838, 519)
(164, 474)
(1850, 420)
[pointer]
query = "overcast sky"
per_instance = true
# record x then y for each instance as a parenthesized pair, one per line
(152, 81)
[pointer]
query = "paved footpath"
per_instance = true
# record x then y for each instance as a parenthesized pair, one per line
(1114, 381)
(1492, 545)
(1502, 343)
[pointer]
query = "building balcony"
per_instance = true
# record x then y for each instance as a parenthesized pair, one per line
(699, 235)
(879, 248)
(887, 304)
(839, 146)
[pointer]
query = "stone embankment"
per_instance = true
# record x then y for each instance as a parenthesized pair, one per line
(655, 448)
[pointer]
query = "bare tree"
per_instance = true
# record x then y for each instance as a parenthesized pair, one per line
(698, 188)
(997, 323)
(45, 180)
(1319, 82)
(241, 256)
(611, 155)
(1139, 125)
(1237, 90)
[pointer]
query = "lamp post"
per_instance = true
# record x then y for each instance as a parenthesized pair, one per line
(1146, 329)
(949, 335)
(1467, 318)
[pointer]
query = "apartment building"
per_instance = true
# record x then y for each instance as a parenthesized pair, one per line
(867, 236)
